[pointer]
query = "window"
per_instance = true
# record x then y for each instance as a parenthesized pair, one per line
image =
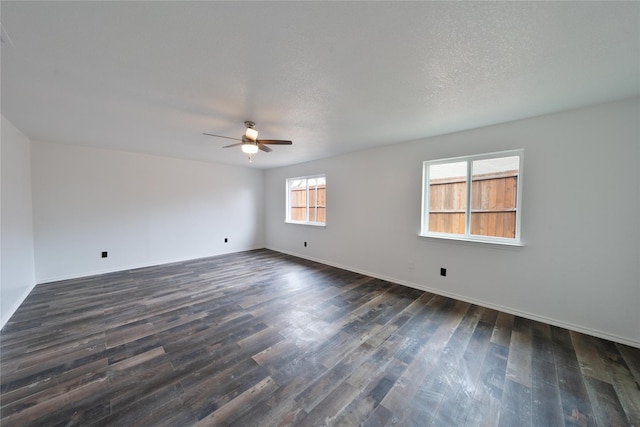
(306, 200)
(473, 198)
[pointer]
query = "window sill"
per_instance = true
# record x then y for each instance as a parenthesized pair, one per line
(314, 224)
(475, 240)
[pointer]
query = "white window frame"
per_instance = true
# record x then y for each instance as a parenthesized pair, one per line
(467, 236)
(288, 201)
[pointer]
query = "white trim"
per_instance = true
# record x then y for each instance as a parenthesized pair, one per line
(593, 332)
(467, 236)
(482, 303)
(87, 274)
(469, 185)
(474, 239)
(315, 224)
(6, 316)
(287, 214)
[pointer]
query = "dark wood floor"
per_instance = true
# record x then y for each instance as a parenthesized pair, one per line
(265, 339)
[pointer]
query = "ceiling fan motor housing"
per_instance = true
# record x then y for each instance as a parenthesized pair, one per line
(250, 134)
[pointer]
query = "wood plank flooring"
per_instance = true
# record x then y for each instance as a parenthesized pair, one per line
(260, 338)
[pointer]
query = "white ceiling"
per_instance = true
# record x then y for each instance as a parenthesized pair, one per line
(334, 77)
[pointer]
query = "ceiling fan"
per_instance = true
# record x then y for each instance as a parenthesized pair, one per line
(250, 142)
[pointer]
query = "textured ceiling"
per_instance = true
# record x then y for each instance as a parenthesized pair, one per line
(334, 77)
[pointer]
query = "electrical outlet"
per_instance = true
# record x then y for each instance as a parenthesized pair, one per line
(104, 254)
(305, 244)
(226, 239)
(443, 271)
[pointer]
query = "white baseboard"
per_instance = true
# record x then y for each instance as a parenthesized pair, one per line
(7, 315)
(589, 331)
(487, 304)
(134, 267)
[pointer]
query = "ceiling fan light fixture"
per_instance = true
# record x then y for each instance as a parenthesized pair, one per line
(249, 148)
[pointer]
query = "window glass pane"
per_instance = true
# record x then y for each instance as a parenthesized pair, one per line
(321, 199)
(306, 199)
(473, 198)
(494, 185)
(298, 183)
(313, 200)
(447, 197)
(298, 199)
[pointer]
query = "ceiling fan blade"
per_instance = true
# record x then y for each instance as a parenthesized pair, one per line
(264, 148)
(220, 136)
(232, 145)
(274, 142)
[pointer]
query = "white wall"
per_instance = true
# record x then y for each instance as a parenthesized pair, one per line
(142, 209)
(16, 248)
(580, 221)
